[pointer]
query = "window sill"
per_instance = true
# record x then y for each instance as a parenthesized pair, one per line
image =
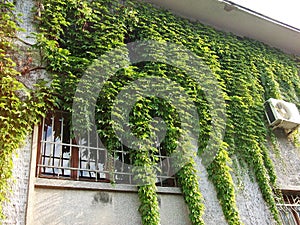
(83, 185)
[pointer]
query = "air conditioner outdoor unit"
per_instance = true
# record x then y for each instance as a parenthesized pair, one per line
(282, 114)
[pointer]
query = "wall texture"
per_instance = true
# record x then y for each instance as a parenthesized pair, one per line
(15, 209)
(74, 207)
(252, 208)
(287, 162)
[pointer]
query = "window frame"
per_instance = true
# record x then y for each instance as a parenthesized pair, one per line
(74, 160)
(289, 210)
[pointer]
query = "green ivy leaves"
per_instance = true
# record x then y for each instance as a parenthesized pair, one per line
(219, 172)
(20, 107)
(73, 33)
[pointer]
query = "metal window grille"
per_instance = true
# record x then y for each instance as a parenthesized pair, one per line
(61, 156)
(290, 209)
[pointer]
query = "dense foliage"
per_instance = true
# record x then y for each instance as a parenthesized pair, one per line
(20, 107)
(73, 33)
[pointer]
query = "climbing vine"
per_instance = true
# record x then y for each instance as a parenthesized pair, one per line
(20, 107)
(73, 33)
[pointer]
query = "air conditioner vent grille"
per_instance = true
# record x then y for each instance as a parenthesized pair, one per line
(283, 110)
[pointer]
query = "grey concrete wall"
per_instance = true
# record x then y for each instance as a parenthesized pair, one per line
(213, 212)
(287, 162)
(71, 207)
(25, 8)
(251, 206)
(15, 209)
(74, 207)
(67, 206)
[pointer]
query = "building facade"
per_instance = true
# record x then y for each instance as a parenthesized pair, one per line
(71, 198)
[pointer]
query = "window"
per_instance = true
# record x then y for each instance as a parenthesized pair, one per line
(290, 209)
(62, 157)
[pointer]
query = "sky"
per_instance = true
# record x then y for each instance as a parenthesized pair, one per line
(286, 11)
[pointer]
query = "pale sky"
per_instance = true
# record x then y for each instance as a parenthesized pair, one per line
(286, 11)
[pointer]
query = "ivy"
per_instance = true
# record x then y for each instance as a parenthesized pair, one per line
(20, 107)
(188, 181)
(219, 173)
(73, 33)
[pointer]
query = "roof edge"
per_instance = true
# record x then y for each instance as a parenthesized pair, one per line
(255, 13)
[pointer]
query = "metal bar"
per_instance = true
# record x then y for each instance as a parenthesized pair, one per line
(79, 164)
(60, 162)
(72, 168)
(52, 146)
(44, 135)
(70, 145)
(97, 156)
(74, 145)
(289, 205)
(89, 153)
